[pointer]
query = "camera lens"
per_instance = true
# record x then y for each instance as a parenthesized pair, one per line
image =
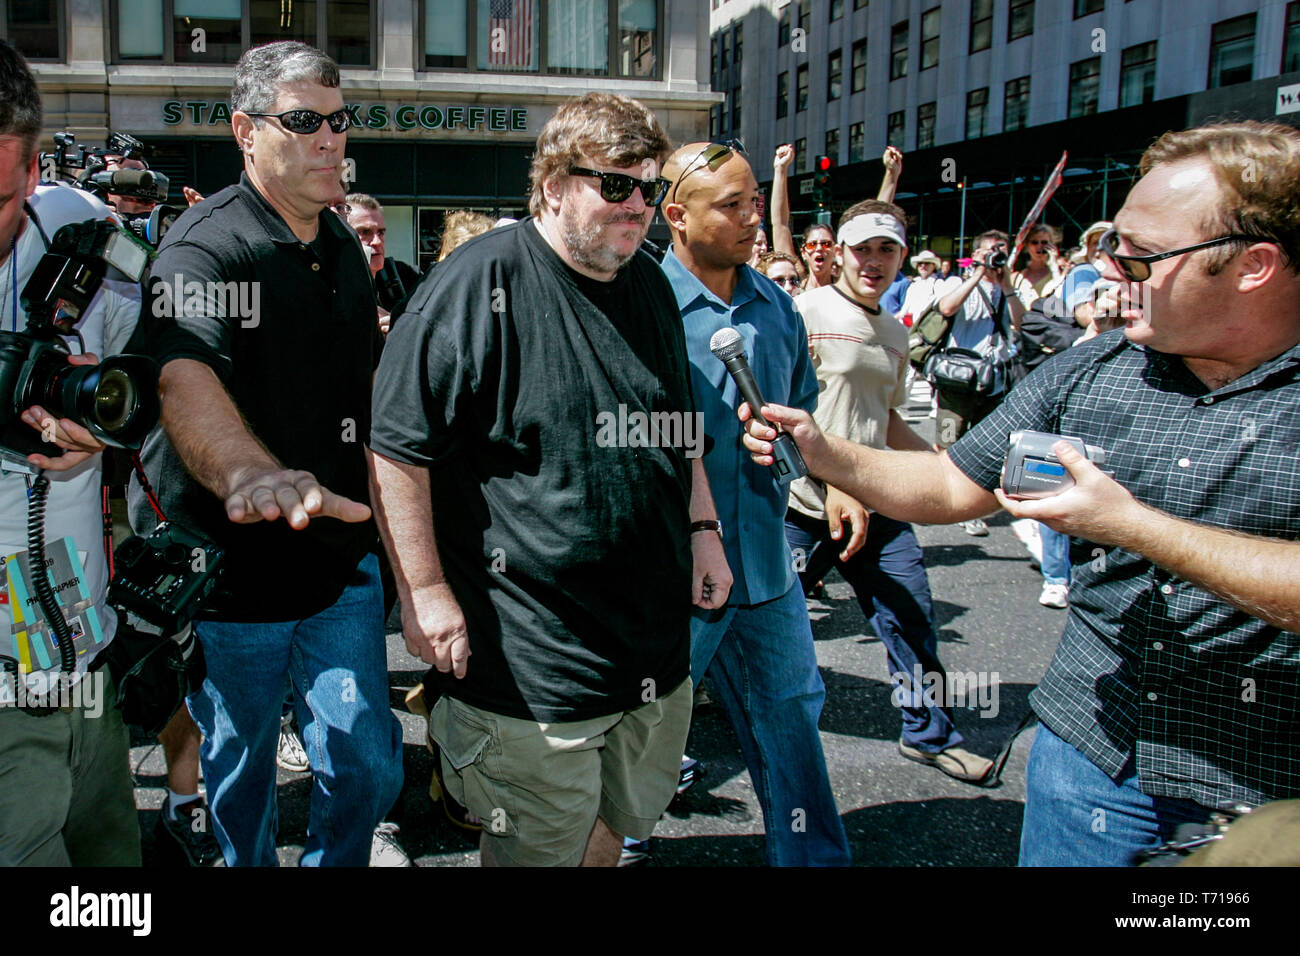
(997, 260)
(115, 400)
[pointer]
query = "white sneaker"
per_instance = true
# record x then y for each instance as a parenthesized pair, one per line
(290, 754)
(1055, 595)
(1027, 532)
(976, 528)
(384, 848)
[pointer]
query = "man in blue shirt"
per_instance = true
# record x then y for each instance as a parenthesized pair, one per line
(760, 644)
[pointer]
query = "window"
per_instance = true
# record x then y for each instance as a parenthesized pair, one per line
(925, 115)
(800, 154)
(833, 144)
(1291, 45)
(1137, 75)
(805, 15)
(782, 95)
(783, 26)
(1020, 23)
(898, 50)
(834, 75)
(977, 112)
(859, 4)
(508, 36)
(1015, 104)
(1085, 83)
(857, 137)
(801, 89)
(1232, 51)
(34, 28)
(929, 38)
(858, 81)
(836, 10)
(713, 58)
(735, 109)
(724, 51)
(981, 25)
(738, 44)
(897, 127)
(1084, 7)
(714, 112)
(218, 31)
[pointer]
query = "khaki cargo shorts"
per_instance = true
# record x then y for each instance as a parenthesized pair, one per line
(538, 788)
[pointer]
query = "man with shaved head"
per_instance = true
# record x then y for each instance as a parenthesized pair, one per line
(758, 649)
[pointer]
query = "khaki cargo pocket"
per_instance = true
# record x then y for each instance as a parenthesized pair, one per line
(468, 741)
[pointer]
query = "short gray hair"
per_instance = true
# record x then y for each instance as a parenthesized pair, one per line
(262, 69)
(362, 201)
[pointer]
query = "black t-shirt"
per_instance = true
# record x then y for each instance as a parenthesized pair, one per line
(294, 341)
(568, 551)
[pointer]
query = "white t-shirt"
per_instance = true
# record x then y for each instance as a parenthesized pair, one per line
(972, 327)
(920, 294)
(73, 506)
(861, 363)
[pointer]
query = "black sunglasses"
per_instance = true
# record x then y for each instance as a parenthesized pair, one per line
(616, 187)
(713, 155)
(306, 122)
(1138, 268)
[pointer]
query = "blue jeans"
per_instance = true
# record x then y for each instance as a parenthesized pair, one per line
(889, 579)
(1056, 555)
(337, 664)
(761, 661)
(1076, 815)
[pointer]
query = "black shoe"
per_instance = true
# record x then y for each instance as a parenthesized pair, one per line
(190, 834)
(690, 774)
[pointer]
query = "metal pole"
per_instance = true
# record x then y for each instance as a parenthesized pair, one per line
(1105, 187)
(961, 239)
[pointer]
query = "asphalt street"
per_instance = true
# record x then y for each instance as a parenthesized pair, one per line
(896, 812)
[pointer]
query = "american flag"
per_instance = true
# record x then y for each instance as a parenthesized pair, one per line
(510, 33)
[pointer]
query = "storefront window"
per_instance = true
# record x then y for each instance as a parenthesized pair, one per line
(573, 37)
(33, 27)
(507, 36)
(219, 31)
(578, 36)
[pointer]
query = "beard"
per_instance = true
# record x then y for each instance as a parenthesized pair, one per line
(586, 244)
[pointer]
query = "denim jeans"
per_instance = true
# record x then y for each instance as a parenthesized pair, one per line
(1056, 555)
(1075, 815)
(337, 664)
(761, 661)
(889, 579)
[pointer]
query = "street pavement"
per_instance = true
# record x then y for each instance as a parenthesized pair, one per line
(896, 812)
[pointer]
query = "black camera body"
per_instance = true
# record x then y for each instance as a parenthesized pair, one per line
(165, 578)
(997, 259)
(116, 400)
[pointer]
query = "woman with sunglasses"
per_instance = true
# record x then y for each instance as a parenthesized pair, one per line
(783, 269)
(1040, 276)
(819, 256)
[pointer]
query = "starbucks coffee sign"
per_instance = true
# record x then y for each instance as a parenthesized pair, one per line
(376, 116)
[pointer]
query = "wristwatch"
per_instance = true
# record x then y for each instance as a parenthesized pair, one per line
(710, 524)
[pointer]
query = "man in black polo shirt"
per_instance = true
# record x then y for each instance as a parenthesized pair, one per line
(261, 314)
(533, 407)
(1172, 691)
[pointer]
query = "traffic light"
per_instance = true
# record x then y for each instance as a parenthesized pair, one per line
(822, 180)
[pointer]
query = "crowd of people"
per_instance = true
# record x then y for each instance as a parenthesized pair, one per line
(570, 582)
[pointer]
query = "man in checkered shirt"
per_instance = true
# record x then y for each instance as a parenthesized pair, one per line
(1173, 689)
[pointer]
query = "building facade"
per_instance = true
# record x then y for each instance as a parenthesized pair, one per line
(447, 96)
(988, 93)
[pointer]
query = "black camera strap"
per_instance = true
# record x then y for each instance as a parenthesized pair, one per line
(150, 496)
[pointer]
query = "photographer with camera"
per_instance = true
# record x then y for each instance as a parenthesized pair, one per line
(985, 309)
(1172, 691)
(67, 797)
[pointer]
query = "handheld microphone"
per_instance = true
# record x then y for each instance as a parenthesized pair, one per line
(118, 179)
(388, 280)
(729, 347)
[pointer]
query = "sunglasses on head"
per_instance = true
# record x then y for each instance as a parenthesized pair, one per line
(812, 245)
(713, 155)
(305, 122)
(616, 187)
(1138, 268)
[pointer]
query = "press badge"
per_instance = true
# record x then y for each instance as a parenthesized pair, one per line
(34, 644)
